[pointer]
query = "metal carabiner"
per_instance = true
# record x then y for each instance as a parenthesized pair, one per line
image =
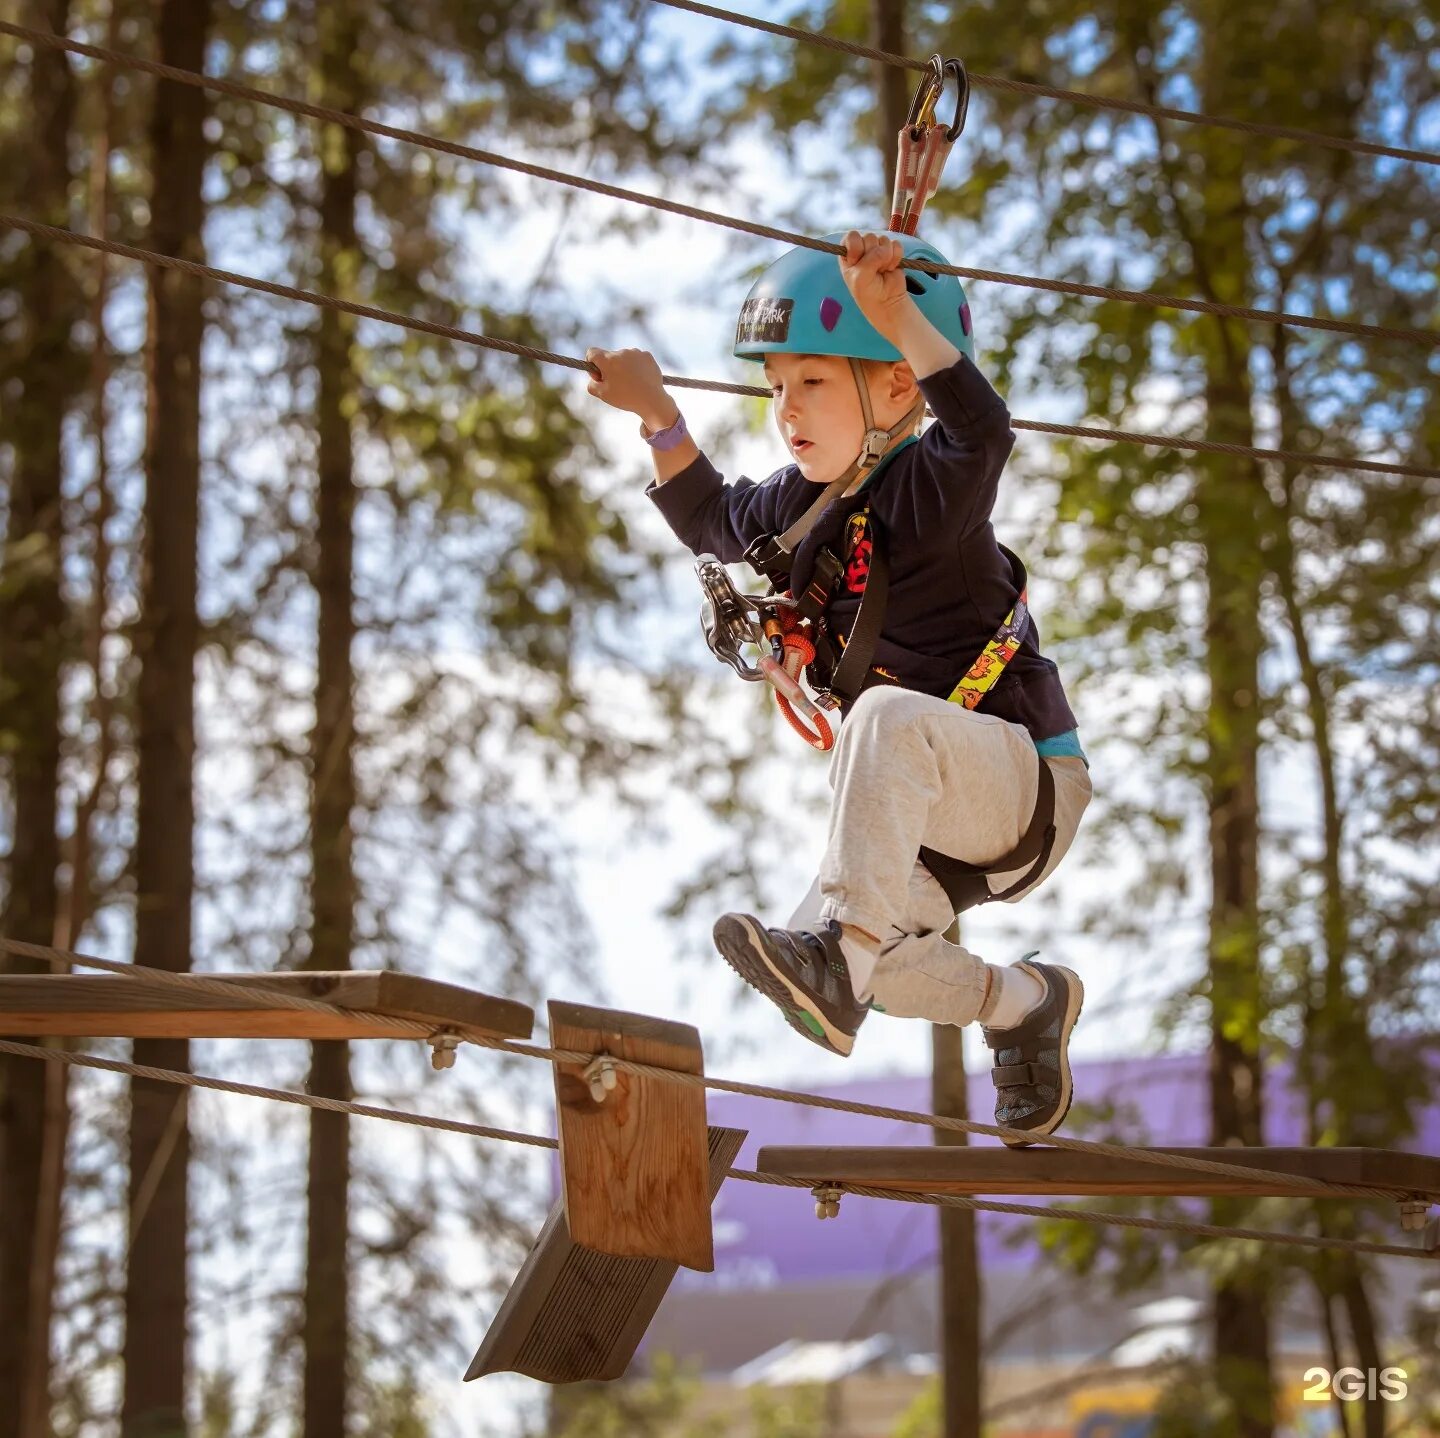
(956, 67)
(928, 93)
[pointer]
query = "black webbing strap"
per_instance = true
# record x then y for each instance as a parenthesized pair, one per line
(771, 554)
(850, 673)
(965, 884)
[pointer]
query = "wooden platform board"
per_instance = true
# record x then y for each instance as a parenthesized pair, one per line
(106, 1006)
(575, 1314)
(634, 1164)
(998, 1170)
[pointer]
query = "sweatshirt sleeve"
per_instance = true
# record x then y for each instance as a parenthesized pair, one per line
(962, 454)
(712, 517)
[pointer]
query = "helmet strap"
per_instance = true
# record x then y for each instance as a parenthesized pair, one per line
(877, 441)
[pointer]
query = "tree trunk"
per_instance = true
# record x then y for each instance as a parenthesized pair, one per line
(1231, 513)
(1338, 1038)
(327, 1272)
(960, 1291)
(887, 32)
(156, 1281)
(32, 642)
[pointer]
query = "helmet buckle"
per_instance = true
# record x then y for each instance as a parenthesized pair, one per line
(872, 450)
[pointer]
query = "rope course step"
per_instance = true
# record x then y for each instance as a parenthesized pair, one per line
(1072, 97)
(218, 1006)
(464, 336)
(633, 1148)
(1407, 334)
(1160, 1225)
(1412, 1178)
(196, 983)
(636, 1185)
(573, 1314)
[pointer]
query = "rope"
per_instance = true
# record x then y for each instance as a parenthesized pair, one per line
(311, 1101)
(472, 337)
(1074, 97)
(190, 983)
(1088, 1215)
(1428, 338)
(274, 1095)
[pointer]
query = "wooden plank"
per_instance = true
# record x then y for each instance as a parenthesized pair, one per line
(997, 1170)
(113, 1006)
(634, 1165)
(573, 1314)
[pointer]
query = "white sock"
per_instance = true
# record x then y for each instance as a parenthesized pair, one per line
(1013, 994)
(862, 953)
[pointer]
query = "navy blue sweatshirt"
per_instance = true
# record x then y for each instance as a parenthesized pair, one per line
(951, 585)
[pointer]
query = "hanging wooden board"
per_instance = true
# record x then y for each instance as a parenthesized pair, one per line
(634, 1163)
(115, 1006)
(999, 1170)
(575, 1314)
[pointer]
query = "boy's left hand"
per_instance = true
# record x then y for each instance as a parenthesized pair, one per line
(871, 270)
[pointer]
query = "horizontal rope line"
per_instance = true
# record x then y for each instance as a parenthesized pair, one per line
(269, 999)
(1211, 446)
(192, 78)
(289, 1096)
(1091, 1215)
(464, 336)
(1074, 97)
(329, 1105)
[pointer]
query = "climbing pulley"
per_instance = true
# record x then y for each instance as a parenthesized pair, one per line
(732, 620)
(925, 143)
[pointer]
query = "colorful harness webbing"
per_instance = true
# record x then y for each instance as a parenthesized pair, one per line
(981, 676)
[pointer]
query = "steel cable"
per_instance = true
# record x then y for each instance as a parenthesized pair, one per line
(945, 1200)
(1073, 97)
(454, 332)
(1409, 334)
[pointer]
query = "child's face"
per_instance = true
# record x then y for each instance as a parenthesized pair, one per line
(817, 411)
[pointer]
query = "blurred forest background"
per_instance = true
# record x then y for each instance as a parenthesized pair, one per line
(311, 627)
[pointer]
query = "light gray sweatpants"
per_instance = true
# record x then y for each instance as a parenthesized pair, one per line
(909, 770)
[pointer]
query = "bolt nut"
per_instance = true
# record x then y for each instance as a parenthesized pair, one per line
(600, 1073)
(442, 1051)
(1413, 1214)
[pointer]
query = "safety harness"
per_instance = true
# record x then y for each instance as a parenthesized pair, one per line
(792, 628)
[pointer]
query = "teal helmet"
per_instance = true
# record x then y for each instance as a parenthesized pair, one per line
(801, 305)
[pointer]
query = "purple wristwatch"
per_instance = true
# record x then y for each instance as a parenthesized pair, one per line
(664, 439)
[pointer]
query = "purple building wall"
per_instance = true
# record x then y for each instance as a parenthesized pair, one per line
(769, 1237)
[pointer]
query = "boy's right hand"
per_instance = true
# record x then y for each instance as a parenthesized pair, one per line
(631, 380)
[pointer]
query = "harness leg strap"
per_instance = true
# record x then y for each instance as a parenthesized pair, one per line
(965, 884)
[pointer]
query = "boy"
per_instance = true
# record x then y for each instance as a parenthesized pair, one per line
(853, 347)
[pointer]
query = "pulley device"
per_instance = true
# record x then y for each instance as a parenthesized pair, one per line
(771, 623)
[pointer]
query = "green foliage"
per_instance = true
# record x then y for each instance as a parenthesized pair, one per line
(798, 1412)
(651, 1407)
(924, 1416)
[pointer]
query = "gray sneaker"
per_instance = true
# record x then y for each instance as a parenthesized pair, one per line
(802, 972)
(1032, 1060)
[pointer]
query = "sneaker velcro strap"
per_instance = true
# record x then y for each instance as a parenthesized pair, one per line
(1017, 1075)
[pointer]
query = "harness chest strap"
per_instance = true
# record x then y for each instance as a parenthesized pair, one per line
(977, 681)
